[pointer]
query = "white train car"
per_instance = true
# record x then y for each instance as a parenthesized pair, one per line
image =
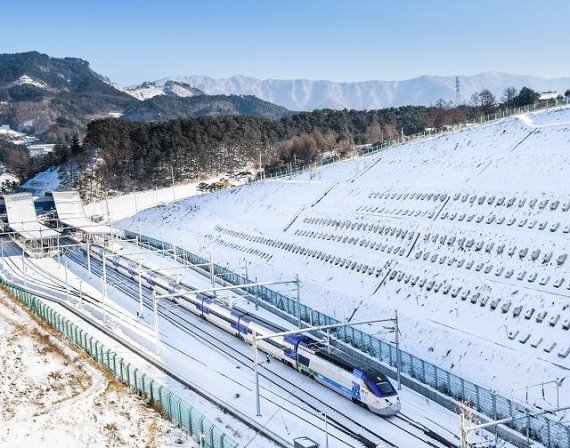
(369, 388)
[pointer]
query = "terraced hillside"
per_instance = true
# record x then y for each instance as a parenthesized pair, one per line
(466, 234)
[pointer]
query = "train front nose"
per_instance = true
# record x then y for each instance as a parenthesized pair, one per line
(388, 406)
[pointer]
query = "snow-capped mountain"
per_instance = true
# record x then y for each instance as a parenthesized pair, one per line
(167, 88)
(301, 94)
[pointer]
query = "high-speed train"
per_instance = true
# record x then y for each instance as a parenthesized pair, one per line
(370, 388)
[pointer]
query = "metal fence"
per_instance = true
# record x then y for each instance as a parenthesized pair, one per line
(202, 430)
(300, 167)
(548, 431)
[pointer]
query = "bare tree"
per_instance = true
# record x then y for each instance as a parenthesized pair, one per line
(484, 100)
(509, 95)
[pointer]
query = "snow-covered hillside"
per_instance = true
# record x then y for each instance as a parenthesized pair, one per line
(52, 396)
(302, 94)
(466, 234)
(45, 181)
(169, 88)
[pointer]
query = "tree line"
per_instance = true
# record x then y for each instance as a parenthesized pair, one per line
(140, 155)
(123, 155)
(18, 161)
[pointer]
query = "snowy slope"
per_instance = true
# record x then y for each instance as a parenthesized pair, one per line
(51, 396)
(302, 94)
(45, 181)
(465, 233)
(170, 88)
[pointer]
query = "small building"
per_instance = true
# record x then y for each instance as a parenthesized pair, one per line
(550, 95)
(40, 149)
(304, 442)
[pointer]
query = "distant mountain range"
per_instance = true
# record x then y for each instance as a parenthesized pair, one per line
(168, 106)
(149, 90)
(304, 95)
(55, 98)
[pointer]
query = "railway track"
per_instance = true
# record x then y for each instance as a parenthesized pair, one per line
(349, 425)
(257, 428)
(303, 400)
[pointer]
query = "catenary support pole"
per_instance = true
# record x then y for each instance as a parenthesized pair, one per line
(326, 431)
(141, 304)
(398, 353)
(89, 258)
(104, 289)
(24, 267)
(66, 279)
(155, 318)
(298, 302)
(255, 365)
(212, 274)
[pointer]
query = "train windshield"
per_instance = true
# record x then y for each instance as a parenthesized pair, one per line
(384, 385)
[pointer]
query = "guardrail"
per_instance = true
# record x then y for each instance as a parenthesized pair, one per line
(548, 431)
(188, 418)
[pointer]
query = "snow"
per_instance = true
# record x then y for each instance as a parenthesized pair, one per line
(6, 131)
(304, 94)
(144, 93)
(525, 158)
(150, 90)
(42, 182)
(7, 177)
(26, 80)
(206, 364)
(51, 395)
(120, 207)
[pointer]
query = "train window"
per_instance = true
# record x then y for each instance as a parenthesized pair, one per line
(385, 386)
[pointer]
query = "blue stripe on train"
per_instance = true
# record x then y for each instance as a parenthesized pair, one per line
(354, 392)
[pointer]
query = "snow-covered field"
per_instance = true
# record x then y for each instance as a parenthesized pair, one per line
(466, 234)
(45, 181)
(52, 396)
(120, 207)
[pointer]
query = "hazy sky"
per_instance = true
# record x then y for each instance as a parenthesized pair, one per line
(343, 40)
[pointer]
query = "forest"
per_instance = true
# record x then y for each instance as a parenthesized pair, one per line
(140, 155)
(125, 155)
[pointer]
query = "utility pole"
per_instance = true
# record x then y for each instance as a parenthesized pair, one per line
(398, 353)
(58, 252)
(465, 431)
(257, 401)
(104, 289)
(155, 317)
(141, 304)
(66, 281)
(256, 295)
(108, 211)
(298, 302)
(24, 267)
(212, 275)
(457, 92)
(88, 258)
(326, 431)
(173, 191)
